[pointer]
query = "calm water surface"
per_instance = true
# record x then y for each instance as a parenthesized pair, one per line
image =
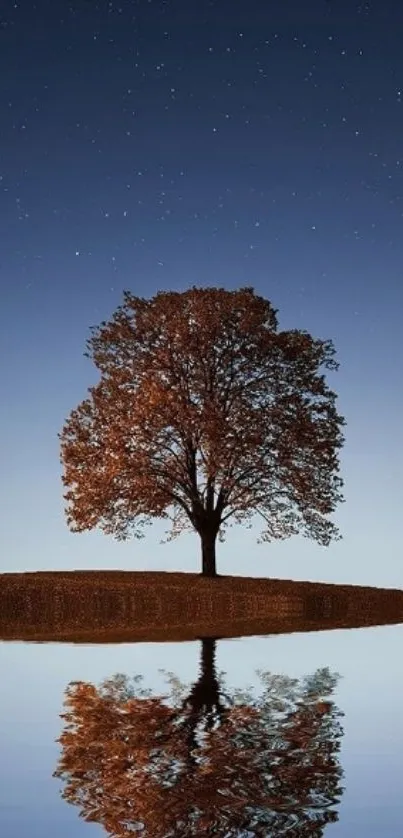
(297, 735)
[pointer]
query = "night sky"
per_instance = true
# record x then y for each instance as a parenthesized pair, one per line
(159, 144)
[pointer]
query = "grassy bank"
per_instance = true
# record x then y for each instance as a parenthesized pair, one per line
(123, 606)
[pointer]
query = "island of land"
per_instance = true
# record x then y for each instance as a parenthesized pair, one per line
(101, 606)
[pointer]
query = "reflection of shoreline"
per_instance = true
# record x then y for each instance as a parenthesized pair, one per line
(178, 634)
(203, 759)
(97, 607)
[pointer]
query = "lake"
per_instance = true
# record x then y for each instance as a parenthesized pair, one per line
(291, 734)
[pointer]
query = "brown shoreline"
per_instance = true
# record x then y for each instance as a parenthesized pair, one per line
(111, 606)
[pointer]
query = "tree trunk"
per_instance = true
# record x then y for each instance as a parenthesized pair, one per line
(203, 701)
(208, 539)
(207, 664)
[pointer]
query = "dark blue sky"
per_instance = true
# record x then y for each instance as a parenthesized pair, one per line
(156, 145)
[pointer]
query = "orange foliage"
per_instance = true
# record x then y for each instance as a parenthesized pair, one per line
(190, 767)
(204, 412)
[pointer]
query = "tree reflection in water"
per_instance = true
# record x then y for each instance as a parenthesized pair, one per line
(203, 762)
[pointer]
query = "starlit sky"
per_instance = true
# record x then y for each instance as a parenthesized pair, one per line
(160, 144)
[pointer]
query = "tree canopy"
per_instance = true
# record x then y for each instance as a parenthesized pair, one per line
(204, 760)
(205, 413)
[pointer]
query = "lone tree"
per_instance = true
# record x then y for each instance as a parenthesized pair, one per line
(204, 760)
(204, 412)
